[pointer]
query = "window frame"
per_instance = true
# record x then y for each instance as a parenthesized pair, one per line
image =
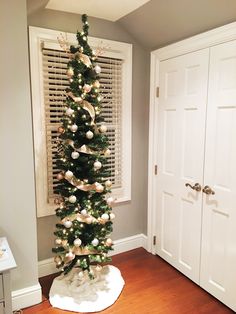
(37, 36)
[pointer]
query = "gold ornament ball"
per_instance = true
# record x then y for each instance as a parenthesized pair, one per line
(109, 242)
(108, 183)
(96, 84)
(69, 174)
(61, 130)
(60, 176)
(107, 152)
(103, 128)
(112, 216)
(70, 72)
(57, 260)
(89, 220)
(58, 241)
(64, 243)
(87, 88)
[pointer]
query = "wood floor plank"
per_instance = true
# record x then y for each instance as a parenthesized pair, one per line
(152, 286)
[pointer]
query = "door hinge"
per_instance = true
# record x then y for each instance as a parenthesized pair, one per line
(154, 240)
(157, 91)
(156, 169)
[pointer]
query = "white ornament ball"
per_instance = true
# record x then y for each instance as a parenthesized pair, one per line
(108, 183)
(87, 88)
(105, 216)
(107, 152)
(75, 155)
(110, 201)
(69, 111)
(72, 199)
(77, 242)
(74, 128)
(97, 69)
(95, 242)
(99, 188)
(69, 174)
(67, 223)
(97, 165)
(84, 212)
(103, 128)
(89, 135)
(112, 216)
(81, 275)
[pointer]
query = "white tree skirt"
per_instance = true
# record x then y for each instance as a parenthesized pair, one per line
(72, 293)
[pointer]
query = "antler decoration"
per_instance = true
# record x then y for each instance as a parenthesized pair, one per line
(63, 42)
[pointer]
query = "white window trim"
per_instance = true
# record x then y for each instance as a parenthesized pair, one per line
(112, 49)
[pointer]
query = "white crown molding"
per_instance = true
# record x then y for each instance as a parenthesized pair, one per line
(47, 266)
(197, 42)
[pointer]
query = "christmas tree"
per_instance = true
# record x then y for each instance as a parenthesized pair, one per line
(84, 205)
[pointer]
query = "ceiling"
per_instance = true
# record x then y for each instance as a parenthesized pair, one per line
(111, 10)
(161, 22)
(153, 23)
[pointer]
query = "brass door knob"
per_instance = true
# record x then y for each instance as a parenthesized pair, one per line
(197, 187)
(208, 190)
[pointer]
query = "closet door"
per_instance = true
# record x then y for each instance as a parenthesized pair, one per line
(180, 156)
(218, 263)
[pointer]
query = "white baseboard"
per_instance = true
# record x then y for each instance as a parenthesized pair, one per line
(26, 297)
(47, 267)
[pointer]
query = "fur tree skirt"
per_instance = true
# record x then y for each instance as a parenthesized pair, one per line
(76, 292)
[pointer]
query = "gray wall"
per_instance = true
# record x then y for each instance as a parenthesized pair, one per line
(17, 192)
(131, 217)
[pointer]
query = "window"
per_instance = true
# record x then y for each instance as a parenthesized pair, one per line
(49, 80)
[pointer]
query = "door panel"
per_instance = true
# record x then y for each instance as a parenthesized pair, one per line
(218, 270)
(180, 156)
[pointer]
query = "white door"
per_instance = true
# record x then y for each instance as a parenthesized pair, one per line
(218, 263)
(180, 158)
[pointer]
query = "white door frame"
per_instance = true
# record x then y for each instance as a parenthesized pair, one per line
(205, 40)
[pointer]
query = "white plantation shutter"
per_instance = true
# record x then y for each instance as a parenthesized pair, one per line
(55, 81)
(49, 81)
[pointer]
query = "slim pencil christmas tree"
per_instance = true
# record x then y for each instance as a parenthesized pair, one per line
(84, 204)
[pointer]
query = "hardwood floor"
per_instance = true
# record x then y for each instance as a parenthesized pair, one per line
(152, 286)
